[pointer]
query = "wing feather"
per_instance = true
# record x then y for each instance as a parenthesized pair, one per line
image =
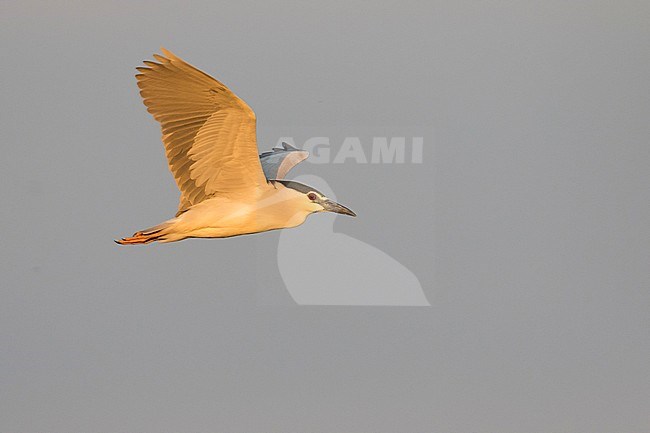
(208, 132)
(277, 162)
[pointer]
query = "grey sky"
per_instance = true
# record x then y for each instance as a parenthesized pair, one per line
(526, 224)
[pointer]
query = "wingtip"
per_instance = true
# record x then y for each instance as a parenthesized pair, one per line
(288, 146)
(161, 59)
(167, 53)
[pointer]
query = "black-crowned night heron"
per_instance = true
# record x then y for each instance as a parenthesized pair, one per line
(210, 142)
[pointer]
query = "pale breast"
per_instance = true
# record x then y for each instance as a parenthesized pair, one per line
(268, 209)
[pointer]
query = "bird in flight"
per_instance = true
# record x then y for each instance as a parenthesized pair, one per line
(211, 147)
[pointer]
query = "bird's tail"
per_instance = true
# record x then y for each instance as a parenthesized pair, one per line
(153, 234)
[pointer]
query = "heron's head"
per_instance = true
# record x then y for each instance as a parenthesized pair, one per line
(312, 200)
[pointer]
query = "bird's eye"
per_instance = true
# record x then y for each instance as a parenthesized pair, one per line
(311, 196)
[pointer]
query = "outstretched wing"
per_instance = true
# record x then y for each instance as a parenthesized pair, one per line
(277, 163)
(208, 132)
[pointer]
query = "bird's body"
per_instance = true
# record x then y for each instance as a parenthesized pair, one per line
(270, 207)
(209, 136)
